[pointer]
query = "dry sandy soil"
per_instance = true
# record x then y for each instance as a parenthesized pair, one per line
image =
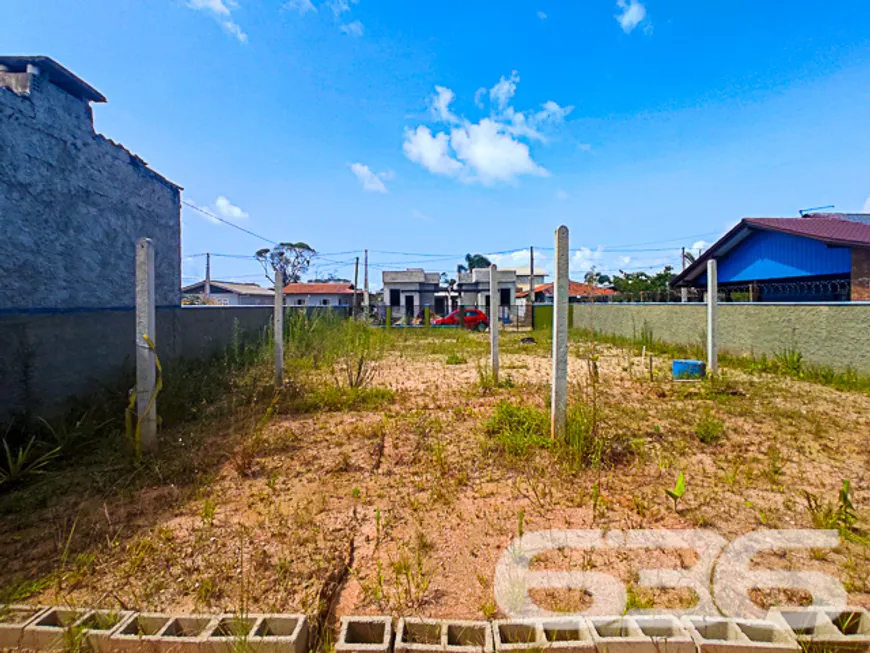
(407, 507)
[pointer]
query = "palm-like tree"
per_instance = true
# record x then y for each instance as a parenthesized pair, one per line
(473, 261)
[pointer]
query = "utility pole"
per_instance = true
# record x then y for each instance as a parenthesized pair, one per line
(712, 322)
(684, 292)
(531, 296)
(146, 358)
(355, 286)
(207, 275)
(366, 304)
(559, 396)
(278, 328)
(493, 320)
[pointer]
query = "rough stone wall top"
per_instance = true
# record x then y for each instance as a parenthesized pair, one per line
(73, 203)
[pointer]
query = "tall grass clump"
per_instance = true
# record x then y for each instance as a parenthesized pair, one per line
(360, 351)
(517, 430)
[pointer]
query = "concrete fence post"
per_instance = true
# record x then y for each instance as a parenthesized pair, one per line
(712, 321)
(493, 320)
(559, 398)
(278, 328)
(146, 363)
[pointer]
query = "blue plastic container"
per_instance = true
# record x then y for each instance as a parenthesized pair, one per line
(688, 370)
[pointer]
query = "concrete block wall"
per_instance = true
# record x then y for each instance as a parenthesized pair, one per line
(834, 335)
(813, 630)
(48, 358)
(73, 204)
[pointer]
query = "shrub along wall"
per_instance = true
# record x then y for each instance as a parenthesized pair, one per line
(833, 335)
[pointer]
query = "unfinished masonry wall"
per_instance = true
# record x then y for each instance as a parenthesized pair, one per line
(45, 359)
(835, 335)
(73, 203)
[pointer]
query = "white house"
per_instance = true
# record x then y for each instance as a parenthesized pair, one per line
(474, 289)
(319, 294)
(406, 292)
(225, 293)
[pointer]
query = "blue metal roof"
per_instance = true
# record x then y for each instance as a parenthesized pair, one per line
(773, 255)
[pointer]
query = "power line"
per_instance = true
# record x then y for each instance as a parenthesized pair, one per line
(227, 222)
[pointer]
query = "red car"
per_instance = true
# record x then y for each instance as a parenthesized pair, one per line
(474, 319)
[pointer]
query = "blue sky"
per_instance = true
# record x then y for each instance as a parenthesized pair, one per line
(447, 127)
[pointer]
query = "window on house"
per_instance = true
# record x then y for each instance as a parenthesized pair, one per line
(300, 302)
(325, 302)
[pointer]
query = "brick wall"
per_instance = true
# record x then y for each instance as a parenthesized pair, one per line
(860, 275)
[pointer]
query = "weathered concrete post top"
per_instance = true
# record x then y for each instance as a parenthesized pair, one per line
(278, 328)
(559, 398)
(146, 363)
(712, 321)
(493, 319)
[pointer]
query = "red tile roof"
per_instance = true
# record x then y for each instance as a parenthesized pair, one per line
(318, 289)
(575, 289)
(831, 228)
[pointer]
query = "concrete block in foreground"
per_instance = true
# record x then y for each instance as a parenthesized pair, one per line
(52, 629)
(185, 634)
(258, 633)
(418, 635)
(722, 635)
(468, 636)
(13, 618)
(557, 634)
(826, 630)
(365, 635)
(139, 632)
(640, 634)
(567, 635)
(98, 626)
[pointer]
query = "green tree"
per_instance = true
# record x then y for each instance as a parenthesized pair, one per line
(635, 283)
(292, 259)
(473, 261)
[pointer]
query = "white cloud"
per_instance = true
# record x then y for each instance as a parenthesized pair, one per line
(340, 6)
(489, 151)
(561, 195)
(699, 244)
(431, 152)
(479, 96)
(368, 179)
(300, 6)
(585, 147)
(440, 104)
(633, 13)
(222, 11)
(387, 175)
(624, 260)
(583, 259)
(419, 215)
(542, 15)
(504, 90)
(867, 206)
(228, 210)
(353, 29)
(490, 155)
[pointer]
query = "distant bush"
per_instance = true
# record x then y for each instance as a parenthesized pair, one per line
(710, 429)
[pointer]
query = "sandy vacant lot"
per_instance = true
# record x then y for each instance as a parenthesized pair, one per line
(406, 505)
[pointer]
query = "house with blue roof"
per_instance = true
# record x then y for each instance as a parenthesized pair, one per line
(816, 257)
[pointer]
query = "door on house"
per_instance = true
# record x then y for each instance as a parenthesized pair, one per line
(439, 306)
(395, 298)
(409, 306)
(504, 301)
